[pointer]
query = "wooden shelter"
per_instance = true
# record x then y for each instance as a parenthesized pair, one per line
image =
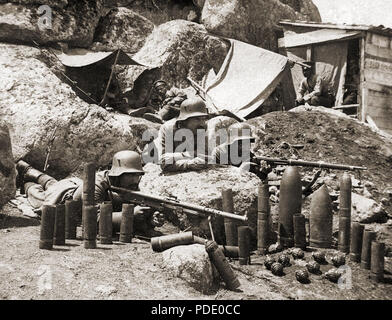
(355, 58)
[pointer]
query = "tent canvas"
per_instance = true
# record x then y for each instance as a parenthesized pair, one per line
(247, 77)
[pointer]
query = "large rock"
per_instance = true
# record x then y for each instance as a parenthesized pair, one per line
(253, 21)
(192, 264)
(204, 188)
(122, 29)
(7, 167)
(182, 48)
(366, 210)
(50, 3)
(35, 102)
(74, 24)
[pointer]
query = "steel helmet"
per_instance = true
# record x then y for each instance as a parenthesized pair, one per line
(126, 161)
(240, 131)
(192, 107)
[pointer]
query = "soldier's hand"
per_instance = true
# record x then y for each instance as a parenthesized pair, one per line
(141, 211)
(265, 167)
(158, 219)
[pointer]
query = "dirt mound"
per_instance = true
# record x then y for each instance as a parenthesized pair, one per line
(319, 136)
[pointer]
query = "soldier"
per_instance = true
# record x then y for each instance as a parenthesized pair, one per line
(236, 151)
(178, 146)
(313, 89)
(126, 172)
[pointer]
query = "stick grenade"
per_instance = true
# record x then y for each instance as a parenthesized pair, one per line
(73, 209)
(299, 231)
(356, 242)
(222, 265)
(126, 227)
(244, 245)
(377, 261)
(159, 244)
(105, 222)
(344, 213)
(47, 227)
(59, 226)
(90, 227)
(263, 212)
(230, 224)
(368, 237)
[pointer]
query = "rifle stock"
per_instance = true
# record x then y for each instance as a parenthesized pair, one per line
(160, 203)
(302, 163)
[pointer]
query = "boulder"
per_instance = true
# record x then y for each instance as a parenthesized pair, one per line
(74, 23)
(35, 102)
(182, 49)
(192, 264)
(50, 3)
(122, 29)
(365, 210)
(253, 21)
(204, 188)
(7, 166)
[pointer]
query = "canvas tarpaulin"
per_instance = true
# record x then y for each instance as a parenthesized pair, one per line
(331, 61)
(247, 77)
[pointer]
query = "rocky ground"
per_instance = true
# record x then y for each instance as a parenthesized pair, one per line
(134, 271)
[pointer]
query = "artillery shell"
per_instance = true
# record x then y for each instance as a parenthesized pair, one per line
(90, 227)
(88, 184)
(299, 231)
(59, 226)
(268, 262)
(230, 251)
(356, 242)
(321, 219)
(263, 213)
(126, 227)
(290, 202)
(244, 245)
(368, 237)
(105, 223)
(47, 227)
(377, 261)
(222, 265)
(73, 209)
(230, 224)
(344, 214)
(159, 244)
(199, 240)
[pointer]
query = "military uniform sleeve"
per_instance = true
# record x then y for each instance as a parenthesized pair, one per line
(302, 89)
(317, 88)
(170, 161)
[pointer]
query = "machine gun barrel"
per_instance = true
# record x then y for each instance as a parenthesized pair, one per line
(159, 202)
(303, 163)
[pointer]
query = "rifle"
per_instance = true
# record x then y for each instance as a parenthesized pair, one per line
(160, 203)
(303, 163)
(203, 94)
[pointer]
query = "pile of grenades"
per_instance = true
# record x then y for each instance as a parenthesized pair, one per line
(276, 266)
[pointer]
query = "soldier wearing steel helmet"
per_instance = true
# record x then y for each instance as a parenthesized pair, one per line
(237, 151)
(126, 172)
(178, 145)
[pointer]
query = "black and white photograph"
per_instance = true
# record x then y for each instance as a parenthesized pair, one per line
(195, 157)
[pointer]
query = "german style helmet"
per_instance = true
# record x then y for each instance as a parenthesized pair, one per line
(126, 161)
(192, 107)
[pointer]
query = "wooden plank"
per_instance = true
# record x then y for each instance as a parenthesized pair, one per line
(382, 123)
(309, 53)
(381, 41)
(374, 64)
(378, 51)
(346, 106)
(361, 111)
(378, 76)
(379, 87)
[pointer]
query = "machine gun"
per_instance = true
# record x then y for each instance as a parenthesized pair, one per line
(160, 203)
(303, 163)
